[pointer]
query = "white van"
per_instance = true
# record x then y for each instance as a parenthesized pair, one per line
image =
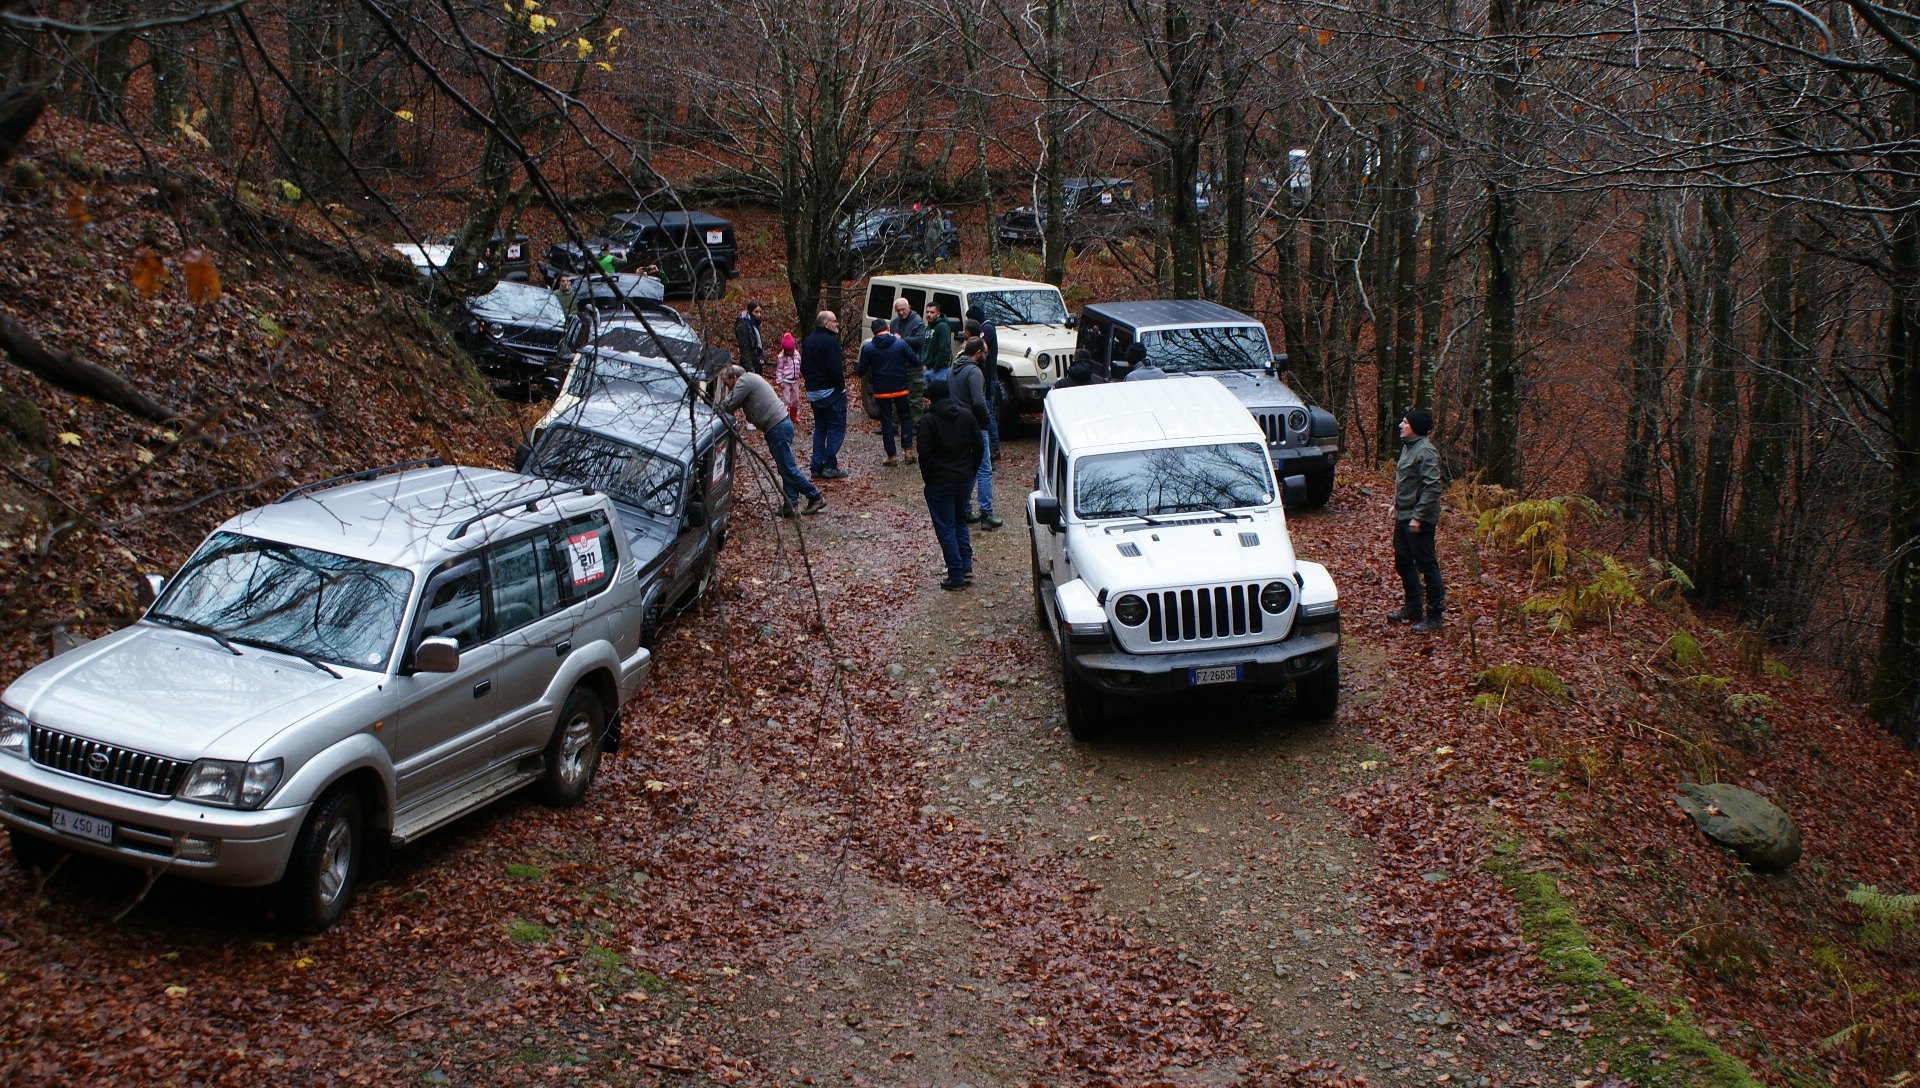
(1161, 561)
(1030, 320)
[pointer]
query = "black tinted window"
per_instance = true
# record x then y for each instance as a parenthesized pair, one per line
(453, 609)
(525, 582)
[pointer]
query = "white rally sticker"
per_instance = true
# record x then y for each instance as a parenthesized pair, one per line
(583, 552)
(714, 237)
(513, 253)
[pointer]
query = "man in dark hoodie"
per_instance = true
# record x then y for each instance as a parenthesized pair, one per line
(884, 362)
(968, 389)
(950, 453)
(823, 374)
(989, 369)
(746, 336)
(1416, 514)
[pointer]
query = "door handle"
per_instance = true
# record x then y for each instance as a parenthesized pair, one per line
(563, 648)
(482, 688)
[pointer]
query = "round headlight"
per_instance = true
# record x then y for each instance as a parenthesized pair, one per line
(1130, 610)
(1044, 361)
(496, 329)
(1296, 420)
(1276, 596)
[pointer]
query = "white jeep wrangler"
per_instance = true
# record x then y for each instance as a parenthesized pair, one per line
(1161, 561)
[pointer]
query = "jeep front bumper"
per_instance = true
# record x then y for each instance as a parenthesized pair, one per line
(1301, 460)
(1312, 646)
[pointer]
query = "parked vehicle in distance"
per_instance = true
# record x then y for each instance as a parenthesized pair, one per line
(1180, 338)
(1030, 319)
(891, 237)
(365, 659)
(518, 333)
(694, 252)
(507, 258)
(658, 356)
(1102, 209)
(1161, 560)
(668, 465)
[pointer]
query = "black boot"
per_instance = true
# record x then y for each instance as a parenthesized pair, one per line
(1431, 623)
(1406, 614)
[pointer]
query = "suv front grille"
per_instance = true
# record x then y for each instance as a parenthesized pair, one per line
(122, 767)
(545, 341)
(1274, 425)
(1192, 615)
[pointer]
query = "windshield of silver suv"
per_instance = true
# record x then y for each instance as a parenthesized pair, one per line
(633, 476)
(297, 600)
(1172, 480)
(1230, 348)
(1020, 307)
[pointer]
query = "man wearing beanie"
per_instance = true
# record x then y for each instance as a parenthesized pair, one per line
(951, 444)
(1416, 514)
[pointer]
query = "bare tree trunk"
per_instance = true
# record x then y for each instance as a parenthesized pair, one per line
(1433, 290)
(1895, 698)
(1646, 359)
(1053, 166)
(1497, 422)
(1721, 398)
(1763, 468)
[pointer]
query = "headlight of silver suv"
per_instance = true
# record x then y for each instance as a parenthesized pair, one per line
(230, 784)
(13, 732)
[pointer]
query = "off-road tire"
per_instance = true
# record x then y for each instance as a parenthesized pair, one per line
(574, 752)
(32, 852)
(1085, 706)
(1006, 407)
(708, 283)
(325, 864)
(1042, 613)
(1319, 488)
(1318, 696)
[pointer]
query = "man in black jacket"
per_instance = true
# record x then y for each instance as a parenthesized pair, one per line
(989, 369)
(823, 374)
(950, 453)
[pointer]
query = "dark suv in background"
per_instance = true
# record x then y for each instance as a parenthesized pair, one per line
(882, 238)
(1096, 208)
(695, 252)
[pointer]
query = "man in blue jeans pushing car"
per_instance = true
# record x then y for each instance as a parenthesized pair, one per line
(764, 410)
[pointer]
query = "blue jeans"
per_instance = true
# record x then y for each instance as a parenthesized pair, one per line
(947, 505)
(983, 477)
(993, 434)
(780, 445)
(891, 409)
(829, 430)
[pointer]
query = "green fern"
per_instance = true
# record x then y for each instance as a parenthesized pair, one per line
(1501, 678)
(1539, 526)
(1885, 914)
(1685, 650)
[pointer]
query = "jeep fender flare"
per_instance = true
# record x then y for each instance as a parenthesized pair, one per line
(1316, 585)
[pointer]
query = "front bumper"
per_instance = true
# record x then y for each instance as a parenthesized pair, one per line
(1310, 648)
(1302, 460)
(1029, 390)
(217, 845)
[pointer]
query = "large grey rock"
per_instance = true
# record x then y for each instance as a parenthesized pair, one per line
(1744, 822)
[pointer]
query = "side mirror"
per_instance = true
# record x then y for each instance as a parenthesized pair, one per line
(521, 455)
(1073, 321)
(1293, 491)
(1047, 511)
(696, 516)
(147, 589)
(1279, 361)
(441, 655)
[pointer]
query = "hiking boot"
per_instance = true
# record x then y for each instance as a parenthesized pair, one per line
(910, 457)
(891, 461)
(834, 473)
(1407, 614)
(967, 576)
(973, 517)
(953, 584)
(1431, 623)
(988, 521)
(815, 503)
(786, 510)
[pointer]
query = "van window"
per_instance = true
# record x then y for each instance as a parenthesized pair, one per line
(949, 304)
(880, 300)
(916, 297)
(1093, 337)
(1059, 476)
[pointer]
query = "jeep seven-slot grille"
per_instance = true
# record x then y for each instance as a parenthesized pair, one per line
(1189, 615)
(122, 767)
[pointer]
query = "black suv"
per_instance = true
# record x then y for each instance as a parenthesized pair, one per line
(915, 236)
(518, 334)
(694, 252)
(1180, 337)
(668, 466)
(1096, 208)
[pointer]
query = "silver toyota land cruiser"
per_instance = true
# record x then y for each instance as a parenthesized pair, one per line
(362, 661)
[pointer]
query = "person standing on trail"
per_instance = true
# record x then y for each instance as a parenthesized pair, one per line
(1416, 517)
(935, 358)
(950, 453)
(967, 385)
(988, 370)
(786, 375)
(746, 336)
(823, 371)
(764, 410)
(907, 326)
(884, 362)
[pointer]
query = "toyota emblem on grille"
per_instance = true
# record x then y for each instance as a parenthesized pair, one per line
(97, 762)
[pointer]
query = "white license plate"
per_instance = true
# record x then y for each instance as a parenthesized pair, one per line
(86, 827)
(1217, 674)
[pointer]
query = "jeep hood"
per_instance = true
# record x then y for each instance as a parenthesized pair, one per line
(1028, 341)
(176, 694)
(1255, 388)
(1194, 550)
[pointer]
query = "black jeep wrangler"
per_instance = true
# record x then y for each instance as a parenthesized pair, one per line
(692, 253)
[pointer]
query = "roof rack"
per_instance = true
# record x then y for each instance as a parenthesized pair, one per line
(367, 474)
(528, 505)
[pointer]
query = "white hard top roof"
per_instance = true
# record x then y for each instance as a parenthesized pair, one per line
(933, 281)
(1134, 414)
(406, 518)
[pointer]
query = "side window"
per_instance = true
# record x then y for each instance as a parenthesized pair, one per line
(1122, 340)
(916, 298)
(949, 305)
(880, 300)
(1046, 456)
(587, 556)
(1093, 337)
(525, 586)
(1059, 473)
(455, 608)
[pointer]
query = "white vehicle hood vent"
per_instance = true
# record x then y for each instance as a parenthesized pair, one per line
(1130, 550)
(1249, 540)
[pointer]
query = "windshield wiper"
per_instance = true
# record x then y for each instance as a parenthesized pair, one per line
(197, 628)
(1228, 514)
(266, 644)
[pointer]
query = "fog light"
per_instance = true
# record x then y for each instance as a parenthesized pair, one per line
(194, 848)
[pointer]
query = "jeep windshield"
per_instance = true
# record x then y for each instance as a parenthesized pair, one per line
(1032, 307)
(304, 602)
(512, 303)
(1234, 347)
(621, 230)
(645, 481)
(1171, 480)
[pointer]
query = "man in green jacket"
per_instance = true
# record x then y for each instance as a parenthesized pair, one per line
(1416, 514)
(936, 355)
